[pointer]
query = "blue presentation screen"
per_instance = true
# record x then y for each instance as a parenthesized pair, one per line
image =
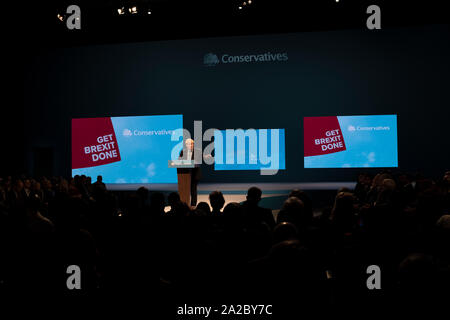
(251, 149)
(350, 141)
(125, 149)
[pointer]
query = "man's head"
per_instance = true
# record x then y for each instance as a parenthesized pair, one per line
(18, 185)
(99, 178)
(217, 200)
(173, 199)
(254, 195)
(27, 184)
(47, 184)
(293, 210)
(36, 186)
(447, 176)
(189, 144)
(388, 184)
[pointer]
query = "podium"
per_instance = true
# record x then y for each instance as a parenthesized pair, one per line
(184, 172)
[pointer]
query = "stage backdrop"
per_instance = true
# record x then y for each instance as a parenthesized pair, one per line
(261, 82)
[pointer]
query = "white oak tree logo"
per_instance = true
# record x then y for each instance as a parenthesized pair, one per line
(210, 59)
(127, 133)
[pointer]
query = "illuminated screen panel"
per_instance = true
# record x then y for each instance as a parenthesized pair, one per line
(350, 141)
(125, 149)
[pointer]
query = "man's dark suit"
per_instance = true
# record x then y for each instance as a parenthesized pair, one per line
(196, 175)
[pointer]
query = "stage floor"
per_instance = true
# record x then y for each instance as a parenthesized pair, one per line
(237, 188)
(273, 194)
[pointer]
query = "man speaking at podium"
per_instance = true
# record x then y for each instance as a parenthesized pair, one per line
(195, 172)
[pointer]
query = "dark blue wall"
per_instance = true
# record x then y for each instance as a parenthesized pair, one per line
(401, 71)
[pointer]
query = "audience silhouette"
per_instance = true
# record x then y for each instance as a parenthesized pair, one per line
(399, 222)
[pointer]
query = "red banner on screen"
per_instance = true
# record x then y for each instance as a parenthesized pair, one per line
(322, 135)
(94, 143)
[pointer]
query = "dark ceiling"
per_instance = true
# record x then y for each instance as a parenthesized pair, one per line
(175, 19)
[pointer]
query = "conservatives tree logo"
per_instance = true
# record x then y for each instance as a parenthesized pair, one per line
(127, 133)
(210, 59)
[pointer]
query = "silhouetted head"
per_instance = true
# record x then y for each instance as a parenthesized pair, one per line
(142, 192)
(344, 189)
(18, 185)
(233, 214)
(388, 184)
(404, 179)
(99, 179)
(36, 186)
(47, 184)
(293, 204)
(442, 236)
(216, 200)
(377, 181)
(254, 195)
(293, 210)
(365, 179)
(303, 196)
(203, 207)
(447, 176)
(286, 253)
(296, 193)
(232, 208)
(74, 192)
(285, 231)
(27, 184)
(443, 223)
(173, 199)
(343, 212)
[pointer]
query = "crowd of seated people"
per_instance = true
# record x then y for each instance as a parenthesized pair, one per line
(140, 240)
